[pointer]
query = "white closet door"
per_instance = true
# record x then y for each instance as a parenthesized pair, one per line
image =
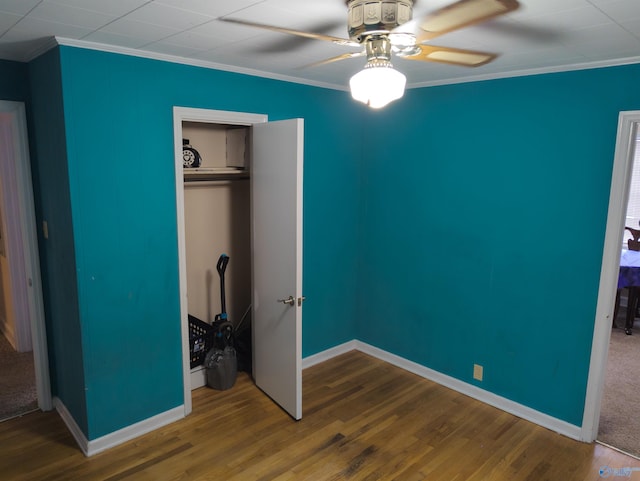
(276, 200)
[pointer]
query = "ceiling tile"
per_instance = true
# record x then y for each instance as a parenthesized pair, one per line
(208, 7)
(632, 27)
(605, 40)
(70, 15)
(194, 40)
(563, 20)
(529, 8)
(166, 16)
(318, 10)
(112, 38)
(538, 59)
(7, 20)
(223, 31)
(17, 36)
(621, 10)
(270, 14)
(44, 28)
(245, 51)
(506, 34)
(220, 57)
(172, 49)
(111, 7)
(20, 7)
(145, 32)
(421, 8)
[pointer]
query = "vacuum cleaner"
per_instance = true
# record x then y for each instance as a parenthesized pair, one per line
(221, 361)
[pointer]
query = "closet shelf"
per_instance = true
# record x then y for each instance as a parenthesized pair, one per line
(213, 173)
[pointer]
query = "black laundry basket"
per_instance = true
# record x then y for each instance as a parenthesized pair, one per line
(201, 338)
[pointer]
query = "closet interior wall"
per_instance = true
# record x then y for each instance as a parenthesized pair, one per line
(217, 221)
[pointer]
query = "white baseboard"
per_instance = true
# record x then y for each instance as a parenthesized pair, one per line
(89, 448)
(329, 354)
(75, 430)
(198, 377)
(519, 410)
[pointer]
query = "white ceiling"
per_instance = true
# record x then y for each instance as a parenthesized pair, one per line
(543, 35)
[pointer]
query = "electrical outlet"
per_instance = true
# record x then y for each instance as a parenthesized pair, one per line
(477, 372)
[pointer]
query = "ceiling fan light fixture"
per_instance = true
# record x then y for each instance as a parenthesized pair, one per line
(377, 84)
(402, 40)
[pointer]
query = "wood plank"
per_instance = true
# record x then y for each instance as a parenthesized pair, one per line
(364, 420)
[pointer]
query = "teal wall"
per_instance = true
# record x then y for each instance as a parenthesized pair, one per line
(57, 256)
(38, 85)
(484, 216)
(443, 228)
(118, 124)
(14, 81)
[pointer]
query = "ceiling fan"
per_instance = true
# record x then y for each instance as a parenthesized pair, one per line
(383, 28)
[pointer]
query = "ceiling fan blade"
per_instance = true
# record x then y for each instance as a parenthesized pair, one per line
(299, 33)
(453, 56)
(344, 56)
(457, 15)
(291, 43)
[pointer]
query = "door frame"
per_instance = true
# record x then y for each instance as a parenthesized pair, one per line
(618, 198)
(180, 115)
(22, 239)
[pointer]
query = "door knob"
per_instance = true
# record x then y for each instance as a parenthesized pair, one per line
(289, 300)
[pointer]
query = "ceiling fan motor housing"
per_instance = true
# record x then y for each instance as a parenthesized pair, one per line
(369, 16)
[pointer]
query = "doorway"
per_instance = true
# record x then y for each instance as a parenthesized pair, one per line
(180, 116)
(275, 161)
(218, 238)
(628, 123)
(20, 245)
(619, 426)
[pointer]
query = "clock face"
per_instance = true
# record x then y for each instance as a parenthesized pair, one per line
(190, 157)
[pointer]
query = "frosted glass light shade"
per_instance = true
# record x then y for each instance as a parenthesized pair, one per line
(377, 85)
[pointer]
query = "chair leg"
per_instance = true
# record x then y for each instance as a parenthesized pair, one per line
(632, 304)
(616, 309)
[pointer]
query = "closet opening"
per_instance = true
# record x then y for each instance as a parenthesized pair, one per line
(217, 223)
(239, 193)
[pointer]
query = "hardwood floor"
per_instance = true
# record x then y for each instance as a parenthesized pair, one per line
(363, 420)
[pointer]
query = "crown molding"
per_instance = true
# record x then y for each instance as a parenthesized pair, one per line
(40, 47)
(54, 41)
(190, 61)
(530, 72)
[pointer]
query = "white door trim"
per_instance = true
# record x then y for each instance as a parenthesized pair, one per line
(618, 197)
(23, 211)
(186, 114)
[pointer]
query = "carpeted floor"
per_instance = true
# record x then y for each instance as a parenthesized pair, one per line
(17, 382)
(619, 422)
